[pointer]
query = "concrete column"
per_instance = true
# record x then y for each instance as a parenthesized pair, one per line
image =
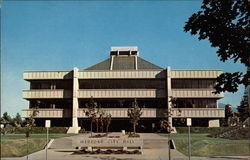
(136, 65)
(169, 93)
(111, 63)
(75, 98)
(74, 128)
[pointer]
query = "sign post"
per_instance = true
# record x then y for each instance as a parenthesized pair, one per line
(47, 126)
(189, 123)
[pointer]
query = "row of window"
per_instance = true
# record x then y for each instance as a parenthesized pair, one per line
(125, 103)
(196, 103)
(124, 84)
(192, 83)
(51, 85)
(121, 84)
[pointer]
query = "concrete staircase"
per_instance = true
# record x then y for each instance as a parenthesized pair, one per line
(226, 133)
(234, 130)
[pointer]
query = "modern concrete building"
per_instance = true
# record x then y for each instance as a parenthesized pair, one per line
(114, 84)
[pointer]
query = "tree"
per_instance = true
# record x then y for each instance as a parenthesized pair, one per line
(226, 25)
(107, 121)
(30, 124)
(30, 121)
(91, 112)
(17, 121)
(101, 119)
(134, 114)
(6, 119)
(228, 114)
(244, 108)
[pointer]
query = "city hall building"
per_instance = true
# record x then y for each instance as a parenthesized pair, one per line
(114, 84)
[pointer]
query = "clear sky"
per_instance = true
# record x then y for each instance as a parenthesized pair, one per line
(60, 35)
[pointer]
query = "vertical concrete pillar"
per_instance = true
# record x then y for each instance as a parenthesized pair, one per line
(169, 93)
(111, 63)
(74, 128)
(75, 98)
(136, 65)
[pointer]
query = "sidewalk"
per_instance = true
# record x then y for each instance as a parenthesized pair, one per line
(155, 148)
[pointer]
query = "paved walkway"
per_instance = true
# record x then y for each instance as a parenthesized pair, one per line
(155, 148)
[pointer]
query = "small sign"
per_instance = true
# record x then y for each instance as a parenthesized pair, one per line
(189, 121)
(47, 123)
(153, 125)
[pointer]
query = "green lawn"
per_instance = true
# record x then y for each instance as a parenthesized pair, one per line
(201, 145)
(15, 145)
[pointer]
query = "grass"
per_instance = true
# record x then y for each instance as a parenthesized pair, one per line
(15, 145)
(201, 145)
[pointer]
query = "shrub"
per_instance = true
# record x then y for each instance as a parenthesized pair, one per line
(99, 135)
(133, 135)
(211, 130)
(82, 130)
(58, 129)
(36, 130)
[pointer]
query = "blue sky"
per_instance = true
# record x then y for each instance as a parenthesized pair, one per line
(60, 35)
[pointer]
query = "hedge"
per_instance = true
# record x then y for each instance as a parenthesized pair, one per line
(36, 130)
(210, 130)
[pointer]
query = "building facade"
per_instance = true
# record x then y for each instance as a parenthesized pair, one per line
(114, 84)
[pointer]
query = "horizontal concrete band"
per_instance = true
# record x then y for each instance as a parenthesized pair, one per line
(119, 93)
(36, 75)
(122, 113)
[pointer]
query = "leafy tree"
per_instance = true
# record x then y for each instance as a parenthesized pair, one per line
(226, 25)
(164, 123)
(134, 114)
(228, 113)
(6, 119)
(244, 108)
(30, 121)
(17, 121)
(91, 112)
(30, 124)
(101, 119)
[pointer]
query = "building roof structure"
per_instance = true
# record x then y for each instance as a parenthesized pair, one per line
(124, 58)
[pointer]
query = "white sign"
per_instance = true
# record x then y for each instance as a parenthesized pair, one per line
(107, 142)
(153, 125)
(189, 121)
(47, 123)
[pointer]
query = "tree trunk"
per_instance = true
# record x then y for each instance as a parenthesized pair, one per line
(27, 148)
(134, 128)
(91, 127)
(97, 126)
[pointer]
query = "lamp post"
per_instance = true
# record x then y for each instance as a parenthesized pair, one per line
(47, 125)
(189, 123)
